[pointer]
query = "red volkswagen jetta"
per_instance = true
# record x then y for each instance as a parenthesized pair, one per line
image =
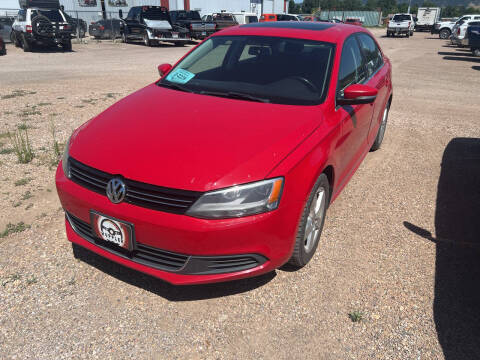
(224, 168)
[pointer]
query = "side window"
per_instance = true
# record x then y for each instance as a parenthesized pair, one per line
(371, 52)
(351, 70)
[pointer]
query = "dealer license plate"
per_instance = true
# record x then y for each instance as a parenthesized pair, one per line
(112, 230)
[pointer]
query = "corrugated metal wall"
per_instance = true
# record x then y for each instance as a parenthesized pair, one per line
(369, 18)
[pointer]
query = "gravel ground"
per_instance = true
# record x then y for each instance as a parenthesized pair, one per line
(417, 292)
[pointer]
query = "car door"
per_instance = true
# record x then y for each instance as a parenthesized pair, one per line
(377, 77)
(355, 119)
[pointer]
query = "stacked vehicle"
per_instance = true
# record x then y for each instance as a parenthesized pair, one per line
(426, 18)
(401, 24)
(41, 23)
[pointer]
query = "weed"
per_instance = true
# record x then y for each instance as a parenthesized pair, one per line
(79, 106)
(17, 93)
(8, 112)
(17, 204)
(355, 316)
(89, 101)
(55, 146)
(49, 190)
(44, 104)
(23, 181)
(72, 281)
(32, 280)
(27, 196)
(30, 112)
(6, 151)
(22, 146)
(61, 97)
(11, 278)
(23, 126)
(14, 228)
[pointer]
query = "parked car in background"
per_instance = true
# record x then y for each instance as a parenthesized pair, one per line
(473, 35)
(287, 17)
(6, 23)
(43, 25)
(268, 17)
(221, 20)
(401, 24)
(3, 48)
(245, 18)
(445, 28)
(106, 29)
(152, 25)
(353, 21)
(192, 21)
(232, 196)
(79, 26)
(459, 32)
(427, 17)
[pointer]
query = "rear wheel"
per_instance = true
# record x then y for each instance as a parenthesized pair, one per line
(3, 50)
(411, 33)
(444, 34)
(67, 46)
(16, 40)
(311, 223)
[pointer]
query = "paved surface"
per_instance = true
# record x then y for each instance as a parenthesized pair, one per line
(400, 244)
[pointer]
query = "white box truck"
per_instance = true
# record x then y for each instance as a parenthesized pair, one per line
(426, 18)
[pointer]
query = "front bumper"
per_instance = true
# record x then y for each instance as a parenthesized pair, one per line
(398, 30)
(269, 237)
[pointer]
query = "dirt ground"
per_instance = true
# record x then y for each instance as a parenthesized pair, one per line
(400, 245)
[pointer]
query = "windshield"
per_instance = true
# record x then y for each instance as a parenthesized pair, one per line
(154, 13)
(268, 69)
(401, 18)
(52, 15)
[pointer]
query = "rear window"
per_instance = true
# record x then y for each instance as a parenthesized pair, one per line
(52, 15)
(154, 13)
(186, 15)
(402, 18)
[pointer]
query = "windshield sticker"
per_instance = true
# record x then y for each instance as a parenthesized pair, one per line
(180, 76)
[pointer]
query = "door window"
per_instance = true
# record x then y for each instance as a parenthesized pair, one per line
(352, 70)
(371, 53)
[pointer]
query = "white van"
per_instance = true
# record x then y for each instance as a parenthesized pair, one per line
(245, 18)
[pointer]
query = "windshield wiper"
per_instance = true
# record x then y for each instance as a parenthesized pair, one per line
(235, 95)
(175, 86)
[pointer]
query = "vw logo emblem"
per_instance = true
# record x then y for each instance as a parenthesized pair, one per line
(116, 190)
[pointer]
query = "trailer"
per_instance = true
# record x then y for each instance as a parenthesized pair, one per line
(426, 18)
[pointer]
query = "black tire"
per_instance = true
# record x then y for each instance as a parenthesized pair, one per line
(16, 39)
(27, 47)
(411, 33)
(302, 253)
(12, 37)
(124, 37)
(407, 34)
(444, 34)
(381, 130)
(146, 40)
(476, 52)
(67, 46)
(3, 50)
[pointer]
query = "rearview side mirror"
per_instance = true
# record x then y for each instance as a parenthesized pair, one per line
(163, 69)
(120, 14)
(357, 94)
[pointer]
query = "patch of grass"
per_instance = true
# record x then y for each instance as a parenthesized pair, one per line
(23, 126)
(17, 93)
(8, 112)
(23, 181)
(27, 196)
(44, 104)
(17, 204)
(11, 278)
(72, 281)
(79, 106)
(30, 112)
(90, 101)
(355, 316)
(22, 147)
(14, 228)
(111, 95)
(49, 190)
(55, 146)
(61, 97)
(32, 280)
(6, 151)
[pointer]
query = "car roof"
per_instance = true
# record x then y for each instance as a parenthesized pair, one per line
(319, 31)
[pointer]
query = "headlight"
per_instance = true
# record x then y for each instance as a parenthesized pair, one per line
(65, 167)
(238, 201)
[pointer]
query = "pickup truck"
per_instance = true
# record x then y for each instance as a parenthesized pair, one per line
(401, 24)
(459, 32)
(444, 28)
(222, 20)
(152, 24)
(199, 29)
(473, 35)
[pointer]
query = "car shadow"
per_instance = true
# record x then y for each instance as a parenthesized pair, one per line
(476, 67)
(49, 50)
(460, 58)
(456, 306)
(167, 290)
(454, 53)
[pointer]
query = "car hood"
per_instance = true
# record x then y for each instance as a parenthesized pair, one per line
(188, 141)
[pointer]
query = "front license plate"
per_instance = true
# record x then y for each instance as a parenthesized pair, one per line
(175, 35)
(112, 230)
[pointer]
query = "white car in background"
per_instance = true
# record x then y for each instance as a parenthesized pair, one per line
(460, 29)
(401, 24)
(444, 29)
(245, 18)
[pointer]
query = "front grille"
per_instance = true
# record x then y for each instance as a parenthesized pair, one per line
(144, 254)
(137, 193)
(167, 260)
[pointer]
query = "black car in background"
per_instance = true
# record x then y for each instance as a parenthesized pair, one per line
(106, 29)
(192, 21)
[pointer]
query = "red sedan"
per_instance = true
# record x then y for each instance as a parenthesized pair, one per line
(224, 168)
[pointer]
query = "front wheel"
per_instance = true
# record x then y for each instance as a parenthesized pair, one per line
(124, 38)
(27, 47)
(381, 130)
(476, 52)
(444, 34)
(146, 40)
(311, 223)
(411, 33)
